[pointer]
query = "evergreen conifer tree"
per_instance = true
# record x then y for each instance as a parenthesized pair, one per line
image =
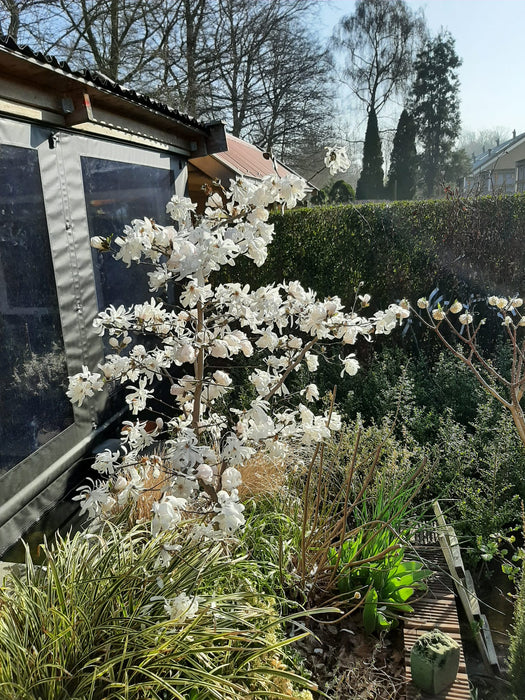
(435, 107)
(370, 184)
(402, 175)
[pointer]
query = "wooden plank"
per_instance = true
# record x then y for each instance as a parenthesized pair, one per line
(472, 597)
(464, 596)
(440, 518)
(455, 551)
(492, 657)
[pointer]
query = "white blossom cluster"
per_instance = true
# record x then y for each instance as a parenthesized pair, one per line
(506, 308)
(282, 326)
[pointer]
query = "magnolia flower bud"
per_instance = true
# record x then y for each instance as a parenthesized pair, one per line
(422, 303)
(438, 315)
(100, 243)
(120, 484)
(456, 307)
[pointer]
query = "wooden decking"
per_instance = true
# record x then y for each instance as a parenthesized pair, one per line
(436, 609)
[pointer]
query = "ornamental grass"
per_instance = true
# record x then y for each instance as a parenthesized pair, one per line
(101, 620)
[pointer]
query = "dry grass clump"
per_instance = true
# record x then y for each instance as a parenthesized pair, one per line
(262, 475)
(153, 487)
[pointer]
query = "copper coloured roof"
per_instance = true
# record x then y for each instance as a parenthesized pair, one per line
(248, 160)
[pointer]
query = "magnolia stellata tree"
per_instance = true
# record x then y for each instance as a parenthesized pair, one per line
(458, 326)
(193, 450)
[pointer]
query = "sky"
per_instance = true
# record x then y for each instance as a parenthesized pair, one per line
(489, 37)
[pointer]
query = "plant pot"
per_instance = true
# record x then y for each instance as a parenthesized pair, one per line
(434, 661)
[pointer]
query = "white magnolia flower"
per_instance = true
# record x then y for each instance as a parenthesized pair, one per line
(292, 189)
(456, 307)
(231, 478)
(465, 319)
(167, 514)
(438, 314)
(179, 208)
(100, 243)
(95, 499)
(229, 512)
(312, 362)
(205, 473)
(311, 392)
(106, 461)
(138, 397)
(336, 159)
(195, 293)
(182, 487)
(235, 451)
(84, 384)
(182, 607)
(350, 365)
(422, 303)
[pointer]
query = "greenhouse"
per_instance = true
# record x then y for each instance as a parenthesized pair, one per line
(79, 156)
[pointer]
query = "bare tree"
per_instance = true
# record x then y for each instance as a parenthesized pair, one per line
(16, 16)
(243, 47)
(296, 90)
(252, 63)
(380, 41)
(477, 142)
(184, 59)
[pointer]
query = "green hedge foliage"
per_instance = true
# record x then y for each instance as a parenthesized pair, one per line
(400, 249)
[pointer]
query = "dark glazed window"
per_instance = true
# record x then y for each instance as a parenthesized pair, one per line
(33, 374)
(116, 193)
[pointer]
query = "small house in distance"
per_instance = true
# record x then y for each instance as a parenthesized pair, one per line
(500, 169)
(80, 156)
(239, 159)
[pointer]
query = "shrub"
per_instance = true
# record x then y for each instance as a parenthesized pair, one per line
(341, 193)
(352, 505)
(400, 249)
(517, 644)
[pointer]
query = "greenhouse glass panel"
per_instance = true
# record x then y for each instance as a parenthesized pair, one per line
(116, 193)
(33, 380)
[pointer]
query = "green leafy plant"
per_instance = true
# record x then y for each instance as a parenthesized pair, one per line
(503, 548)
(370, 561)
(388, 585)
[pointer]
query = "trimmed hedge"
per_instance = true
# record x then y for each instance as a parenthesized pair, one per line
(399, 249)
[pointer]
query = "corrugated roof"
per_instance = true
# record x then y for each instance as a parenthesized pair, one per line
(98, 80)
(483, 160)
(248, 160)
